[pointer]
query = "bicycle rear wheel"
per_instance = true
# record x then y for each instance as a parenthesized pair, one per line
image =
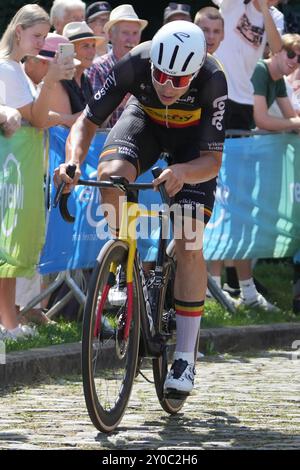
(166, 325)
(109, 357)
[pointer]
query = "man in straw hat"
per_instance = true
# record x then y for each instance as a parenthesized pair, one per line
(124, 30)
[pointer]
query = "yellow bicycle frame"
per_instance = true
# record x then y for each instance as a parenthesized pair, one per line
(130, 214)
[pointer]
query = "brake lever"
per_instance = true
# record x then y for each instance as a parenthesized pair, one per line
(156, 171)
(62, 199)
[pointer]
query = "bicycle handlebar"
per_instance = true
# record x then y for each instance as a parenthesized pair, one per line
(117, 182)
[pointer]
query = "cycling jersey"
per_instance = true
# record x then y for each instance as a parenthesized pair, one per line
(202, 106)
(147, 127)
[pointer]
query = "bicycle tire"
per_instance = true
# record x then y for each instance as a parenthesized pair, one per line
(162, 364)
(109, 362)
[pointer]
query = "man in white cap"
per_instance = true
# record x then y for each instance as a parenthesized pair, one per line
(124, 30)
(96, 15)
(177, 11)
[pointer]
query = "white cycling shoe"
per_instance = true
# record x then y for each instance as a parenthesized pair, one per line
(180, 379)
(18, 333)
(260, 302)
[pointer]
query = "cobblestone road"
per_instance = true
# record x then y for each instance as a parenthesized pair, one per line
(239, 403)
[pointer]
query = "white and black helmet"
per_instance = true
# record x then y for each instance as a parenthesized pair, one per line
(178, 48)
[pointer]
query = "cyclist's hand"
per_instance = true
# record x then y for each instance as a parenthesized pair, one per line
(173, 179)
(60, 175)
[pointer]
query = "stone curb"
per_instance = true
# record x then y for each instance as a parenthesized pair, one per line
(27, 367)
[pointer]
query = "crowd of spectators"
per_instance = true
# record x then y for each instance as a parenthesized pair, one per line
(40, 88)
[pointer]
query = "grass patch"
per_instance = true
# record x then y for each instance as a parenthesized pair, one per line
(277, 277)
(52, 334)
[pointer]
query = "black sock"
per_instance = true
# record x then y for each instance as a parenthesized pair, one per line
(232, 277)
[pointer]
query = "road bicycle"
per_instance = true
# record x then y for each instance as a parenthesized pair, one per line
(118, 336)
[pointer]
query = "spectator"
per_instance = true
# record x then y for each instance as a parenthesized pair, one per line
(66, 11)
(269, 85)
(292, 84)
(177, 11)
(210, 20)
(293, 88)
(10, 120)
(25, 35)
(71, 96)
(124, 30)
(36, 67)
(248, 26)
(97, 14)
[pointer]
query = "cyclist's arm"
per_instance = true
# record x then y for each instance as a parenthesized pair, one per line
(77, 146)
(203, 168)
(79, 139)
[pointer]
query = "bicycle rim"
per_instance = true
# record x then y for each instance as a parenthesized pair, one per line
(108, 359)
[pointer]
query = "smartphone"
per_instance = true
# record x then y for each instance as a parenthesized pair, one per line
(66, 50)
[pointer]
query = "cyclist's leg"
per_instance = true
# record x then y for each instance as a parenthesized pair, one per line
(111, 198)
(130, 149)
(190, 281)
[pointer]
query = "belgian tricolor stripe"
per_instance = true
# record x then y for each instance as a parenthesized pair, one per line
(189, 309)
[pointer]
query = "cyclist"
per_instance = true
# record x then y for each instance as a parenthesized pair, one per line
(178, 103)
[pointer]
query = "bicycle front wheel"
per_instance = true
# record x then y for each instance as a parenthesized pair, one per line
(110, 343)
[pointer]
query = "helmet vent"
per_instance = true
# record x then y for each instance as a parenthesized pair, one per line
(160, 55)
(186, 63)
(171, 65)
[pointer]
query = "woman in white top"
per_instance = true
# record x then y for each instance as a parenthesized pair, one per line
(25, 35)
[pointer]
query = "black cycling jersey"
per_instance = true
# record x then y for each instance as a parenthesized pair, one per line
(147, 127)
(203, 105)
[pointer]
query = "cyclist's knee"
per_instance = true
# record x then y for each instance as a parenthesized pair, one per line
(116, 168)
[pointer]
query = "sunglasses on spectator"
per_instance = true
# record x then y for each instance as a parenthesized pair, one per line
(292, 54)
(179, 6)
(177, 82)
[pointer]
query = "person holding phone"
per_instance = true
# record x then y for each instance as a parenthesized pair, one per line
(25, 35)
(71, 96)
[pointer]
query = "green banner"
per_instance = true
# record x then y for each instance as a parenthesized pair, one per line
(22, 218)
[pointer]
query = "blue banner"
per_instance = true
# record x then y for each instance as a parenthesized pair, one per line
(257, 210)
(256, 215)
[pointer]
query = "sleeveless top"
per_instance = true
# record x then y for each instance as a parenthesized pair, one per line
(79, 96)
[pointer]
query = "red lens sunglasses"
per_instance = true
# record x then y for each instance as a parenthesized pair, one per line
(177, 82)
